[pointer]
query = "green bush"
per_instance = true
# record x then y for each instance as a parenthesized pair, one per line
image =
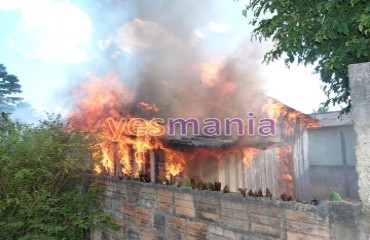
(43, 193)
(186, 182)
(210, 186)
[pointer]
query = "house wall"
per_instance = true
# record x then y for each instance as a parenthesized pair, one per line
(332, 146)
(332, 162)
(301, 167)
(262, 172)
(236, 171)
(149, 211)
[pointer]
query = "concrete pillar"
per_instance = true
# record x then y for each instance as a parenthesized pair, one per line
(359, 75)
(360, 93)
(240, 170)
(152, 166)
(233, 173)
(221, 172)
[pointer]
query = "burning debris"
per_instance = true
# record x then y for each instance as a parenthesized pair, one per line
(286, 198)
(226, 189)
(243, 191)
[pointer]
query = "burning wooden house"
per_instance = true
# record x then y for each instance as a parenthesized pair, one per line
(264, 156)
(277, 162)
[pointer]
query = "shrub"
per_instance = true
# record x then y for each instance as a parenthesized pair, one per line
(185, 182)
(43, 193)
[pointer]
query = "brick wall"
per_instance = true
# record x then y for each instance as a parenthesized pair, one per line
(149, 211)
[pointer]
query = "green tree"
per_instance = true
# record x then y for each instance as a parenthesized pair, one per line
(330, 34)
(43, 194)
(9, 85)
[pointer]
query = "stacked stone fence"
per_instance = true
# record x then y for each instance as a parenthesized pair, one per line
(151, 211)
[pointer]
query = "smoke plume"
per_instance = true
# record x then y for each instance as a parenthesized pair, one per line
(161, 53)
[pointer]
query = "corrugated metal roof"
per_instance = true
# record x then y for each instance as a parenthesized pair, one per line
(331, 119)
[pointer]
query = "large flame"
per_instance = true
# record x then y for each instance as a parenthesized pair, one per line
(286, 169)
(293, 121)
(174, 163)
(99, 99)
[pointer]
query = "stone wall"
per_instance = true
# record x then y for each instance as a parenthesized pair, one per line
(150, 211)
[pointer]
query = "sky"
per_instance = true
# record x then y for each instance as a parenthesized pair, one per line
(52, 44)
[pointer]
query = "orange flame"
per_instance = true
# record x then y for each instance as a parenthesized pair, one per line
(174, 163)
(103, 98)
(286, 169)
(250, 154)
(291, 121)
(209, 73)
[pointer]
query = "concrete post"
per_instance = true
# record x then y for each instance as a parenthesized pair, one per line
(360, 93)
(152, 166)
(359, 75)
